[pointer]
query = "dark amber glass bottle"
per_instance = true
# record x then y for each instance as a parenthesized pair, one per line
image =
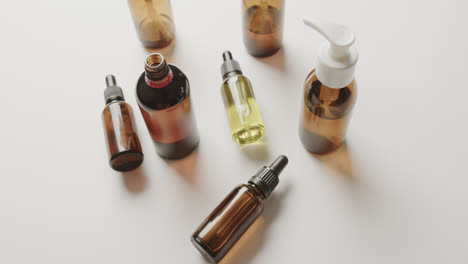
(123, 144)
(326, 115)
(229, 221)
(263, 26)
(163, 95)
(153, 21)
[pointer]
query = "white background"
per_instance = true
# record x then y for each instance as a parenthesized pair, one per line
(396, 194)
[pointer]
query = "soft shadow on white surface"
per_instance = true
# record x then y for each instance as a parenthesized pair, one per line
(135, 181)
(339, 161)
(186, 167)
(277, 60)
(257, 151)
(253, 240)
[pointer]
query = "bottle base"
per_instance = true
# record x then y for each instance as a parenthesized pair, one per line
(248, 135)
(177, 150)
(317, 144)
(206, 253)
(263, 54)
(155, 44)
(126, 161)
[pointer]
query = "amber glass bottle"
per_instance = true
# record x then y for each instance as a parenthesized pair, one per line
(263, 26)
(228, 222)
(325, 115)
(163, 94)
(153, 21)
(122, 140)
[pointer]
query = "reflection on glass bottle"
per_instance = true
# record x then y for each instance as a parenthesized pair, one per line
(325, 115)
(163, 94)
(236, 213)
(153, 21)
(239, 100)
(263, 26)
(123, 144)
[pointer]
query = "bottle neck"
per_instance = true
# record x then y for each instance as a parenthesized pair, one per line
(256, 190)
(158, 74)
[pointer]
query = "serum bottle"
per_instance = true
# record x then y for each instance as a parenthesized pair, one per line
(239, 100)
(163, 95)
(330, 90)
(123, 144)
(233, 216)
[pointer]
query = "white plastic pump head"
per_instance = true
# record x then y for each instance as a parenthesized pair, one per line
(337, 59)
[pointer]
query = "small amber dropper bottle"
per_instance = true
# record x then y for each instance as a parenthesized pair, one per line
(240, 103)
(229, 221)
(122, 140)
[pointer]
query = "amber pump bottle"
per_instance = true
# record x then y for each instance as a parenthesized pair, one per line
(153, 21)
(122, 140)
(233, 216)
(239, 100)
(330, 90)
(163, 95)
(263, 26)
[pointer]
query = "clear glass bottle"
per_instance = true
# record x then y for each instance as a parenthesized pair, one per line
(163, 95)
(123, 144)
(241, 106)
(236, 213)
(326, 115)
(153, 21)
(263, 26)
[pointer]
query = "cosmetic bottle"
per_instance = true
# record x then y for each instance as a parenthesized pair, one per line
(163, 95)
(239, 100)
(123, 144)
(233, 216)
(263, 26)
(330, 90)
(153, 21)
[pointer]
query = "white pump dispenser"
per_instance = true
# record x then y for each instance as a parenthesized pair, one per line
(337, 59)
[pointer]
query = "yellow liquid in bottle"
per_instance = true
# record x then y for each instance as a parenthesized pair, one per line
(242, 110)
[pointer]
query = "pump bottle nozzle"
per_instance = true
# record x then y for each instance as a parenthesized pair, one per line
(336, 60)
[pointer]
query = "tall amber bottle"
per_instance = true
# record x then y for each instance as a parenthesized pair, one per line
(229, 221)
(153, 21)
(163, 95)
(123, 144)
(263, 26)
(330, 90)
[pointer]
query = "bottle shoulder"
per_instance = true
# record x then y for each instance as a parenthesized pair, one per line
(117, 104)
(236, 78)
(161, 98)
(327, 102)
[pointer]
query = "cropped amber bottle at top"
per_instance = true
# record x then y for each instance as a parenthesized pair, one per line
(123, 144)
(153, 21)
(163, 95)
(263, 26)
(239, 210)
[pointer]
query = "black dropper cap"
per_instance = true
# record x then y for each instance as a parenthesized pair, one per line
(112, 92)
(229, 65)
(267, 179)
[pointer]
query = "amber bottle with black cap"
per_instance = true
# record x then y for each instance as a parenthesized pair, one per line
(163, 95)
(239, 210)
(123, 144)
